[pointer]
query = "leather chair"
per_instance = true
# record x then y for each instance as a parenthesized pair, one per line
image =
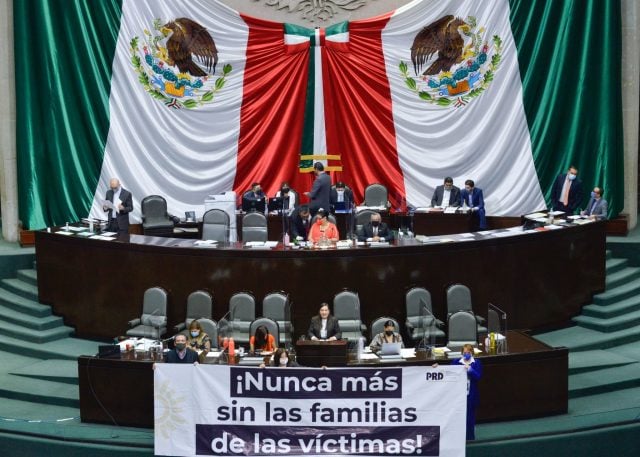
(210, 327)
(376, 195)
(199, 304)
(215, 225)
(462, 330)
(421, 323)
(276, 306)
(346, 308)
(153, 321)
(242, 311)
(155, 219)
(459, 299)
(254, 227)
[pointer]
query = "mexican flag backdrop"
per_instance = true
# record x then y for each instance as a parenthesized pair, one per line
(186, 99)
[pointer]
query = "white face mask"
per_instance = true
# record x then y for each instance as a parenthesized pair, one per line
(284, 361)
(572, 176)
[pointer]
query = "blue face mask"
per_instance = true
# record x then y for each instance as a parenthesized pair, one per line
(466, 356)
(593, 195)
(572, 176)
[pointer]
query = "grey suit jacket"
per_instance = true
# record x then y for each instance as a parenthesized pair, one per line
(454, 197)
(599, 211)
(320, 193)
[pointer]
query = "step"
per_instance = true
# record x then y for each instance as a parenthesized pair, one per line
(597, 359)
(599, 340)
(64, 371)
(29, 276)
(26, 320)
(46, 392)
(611, 324)
(613, 265)
(617, 294)
(625, 306)
(65, 348)
(21, 288)
(622, 277)
(23, 305)
(605, 380)
(36, 336)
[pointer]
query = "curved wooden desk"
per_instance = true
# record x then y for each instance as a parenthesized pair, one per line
(539, 279)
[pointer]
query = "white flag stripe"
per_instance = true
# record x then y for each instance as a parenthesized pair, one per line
(181, 154)
(487, 140)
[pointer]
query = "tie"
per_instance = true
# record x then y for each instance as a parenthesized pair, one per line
(565, 192)
(593, 207)
(470, 199)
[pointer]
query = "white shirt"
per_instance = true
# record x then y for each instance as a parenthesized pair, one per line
(446, 197)
(115, 201)
(323, 330)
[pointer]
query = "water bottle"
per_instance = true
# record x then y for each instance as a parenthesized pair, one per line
(66, 226)
(286, 241)
(91, 225)
(232, 349)
(360, 347)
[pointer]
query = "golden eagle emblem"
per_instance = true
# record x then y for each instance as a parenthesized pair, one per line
(442, 37)
(187, 38)
(164, 56)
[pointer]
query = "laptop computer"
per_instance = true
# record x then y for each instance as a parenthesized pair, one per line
(276, 203)
(340, 207)
(390, 351)
(109, 351)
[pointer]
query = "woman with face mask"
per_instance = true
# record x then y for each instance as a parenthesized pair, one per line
(389, 335)
(197, 339)
(323, 229)
(474, 373)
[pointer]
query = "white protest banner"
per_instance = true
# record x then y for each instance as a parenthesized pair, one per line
(240, 411)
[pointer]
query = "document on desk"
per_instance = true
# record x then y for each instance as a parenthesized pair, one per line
(64, 232)
(102, 237)
(408, 353)
(205, 243)
(450, 210)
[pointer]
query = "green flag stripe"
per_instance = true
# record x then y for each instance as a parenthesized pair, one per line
(569, 57)
(63, 55)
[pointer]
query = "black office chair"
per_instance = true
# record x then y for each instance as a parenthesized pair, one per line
(155, 219)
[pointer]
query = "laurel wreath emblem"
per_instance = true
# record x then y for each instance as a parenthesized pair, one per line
(163, 82)
(465, 81)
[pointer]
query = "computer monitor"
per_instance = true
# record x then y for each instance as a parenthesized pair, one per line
(276, 204)
(250, 205)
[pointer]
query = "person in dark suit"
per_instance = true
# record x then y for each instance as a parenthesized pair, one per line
(566, 194)
(121, 204)
(597, 207)
(446, 195)
(472, 196)
(255, 193)
(376, 230)
(474, 373)
(341, 193)
(181, 353)
(301, 223)
(324, 326)
(320, 191)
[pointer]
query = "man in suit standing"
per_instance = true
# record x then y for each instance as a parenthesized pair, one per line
(597, 207)
(119, 203)
(566, 194)
(474, 199)
(320, 191)
(301, 223)
(446, 195)
(376, 230)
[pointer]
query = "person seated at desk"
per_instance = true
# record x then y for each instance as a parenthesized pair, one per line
(322, 230)
(255, 193)
(474, 373)
(181, 352)
(262, 340)
(324, 326)
(474, 199)
(376, 230)
(288, 198)
(446, 194)
(388, 336)
(281, 359)
(597, 207)
(340, 193)
(301, 223)
(197, 339)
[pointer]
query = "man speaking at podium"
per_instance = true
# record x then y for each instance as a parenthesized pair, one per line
(119, 204)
